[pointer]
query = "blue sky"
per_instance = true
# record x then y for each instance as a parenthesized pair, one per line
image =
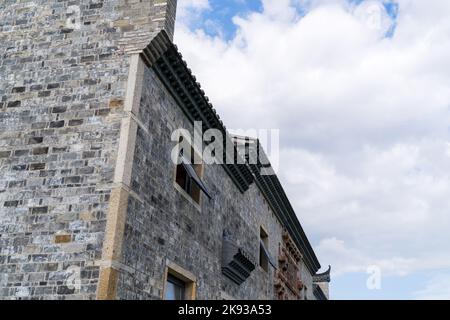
(359, 91)
(221, 14)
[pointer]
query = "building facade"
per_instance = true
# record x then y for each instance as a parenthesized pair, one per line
(92, 205)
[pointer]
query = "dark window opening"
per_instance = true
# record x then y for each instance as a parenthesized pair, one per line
(188, 177)
(185, 181)
(263, 253)
(175, 288)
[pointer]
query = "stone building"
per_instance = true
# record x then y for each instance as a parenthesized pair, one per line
(91, 205)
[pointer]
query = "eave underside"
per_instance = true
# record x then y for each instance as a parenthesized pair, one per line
(163, 56)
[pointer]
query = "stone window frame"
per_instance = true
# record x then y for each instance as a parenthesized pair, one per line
(189, 279)
(180, 189)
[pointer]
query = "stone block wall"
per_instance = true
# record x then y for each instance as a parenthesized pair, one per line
(163, 228)
(64, 69)
(88, 203)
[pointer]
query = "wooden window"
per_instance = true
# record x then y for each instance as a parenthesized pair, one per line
(263, 251)
(185, 181)
(188, 177)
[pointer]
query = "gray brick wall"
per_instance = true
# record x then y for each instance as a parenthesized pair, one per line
(63, 73)
(64, 68)
(162, 226)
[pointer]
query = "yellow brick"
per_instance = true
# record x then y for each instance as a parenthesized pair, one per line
(63, 238)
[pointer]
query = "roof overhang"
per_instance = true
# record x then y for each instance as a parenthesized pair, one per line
(318, 292)
(323, 277)
(273, 191)
(167, 62)
(164, 58)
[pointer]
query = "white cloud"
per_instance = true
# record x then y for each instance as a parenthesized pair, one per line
(188, 11)
(352, 260)
(364, 121)
(373, 15)
(191, 5)
(438, 288)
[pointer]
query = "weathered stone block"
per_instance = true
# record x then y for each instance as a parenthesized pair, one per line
(5, 154)
(39, 210)
(63, 238)
(40, 151)
(14, 104)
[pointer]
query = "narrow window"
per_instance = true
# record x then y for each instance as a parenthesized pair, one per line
(188, 177)
(263, 253)
(175, 288)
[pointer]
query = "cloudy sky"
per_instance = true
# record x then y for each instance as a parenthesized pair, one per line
(361, 93)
